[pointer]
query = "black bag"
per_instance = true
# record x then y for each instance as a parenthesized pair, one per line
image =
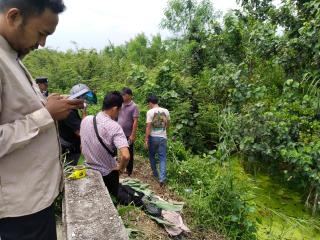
(127, 195)
(150, 208)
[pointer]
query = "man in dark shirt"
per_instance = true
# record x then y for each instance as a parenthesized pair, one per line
(69, 131)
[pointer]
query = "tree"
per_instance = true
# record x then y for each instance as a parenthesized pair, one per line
(137, 49)
(260, 9)
(183, 16)
(193, 21)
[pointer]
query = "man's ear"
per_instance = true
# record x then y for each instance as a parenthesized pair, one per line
(14, 17)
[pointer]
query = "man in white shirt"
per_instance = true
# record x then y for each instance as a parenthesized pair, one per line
(156, 137)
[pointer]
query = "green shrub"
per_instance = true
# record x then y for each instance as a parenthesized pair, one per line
(213, 196)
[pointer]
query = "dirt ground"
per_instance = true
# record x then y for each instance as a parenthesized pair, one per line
(147, 228)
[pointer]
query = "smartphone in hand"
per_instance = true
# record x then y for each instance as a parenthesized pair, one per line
(78, 94)
(89, 96)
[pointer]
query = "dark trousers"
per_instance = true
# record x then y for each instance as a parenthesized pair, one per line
(37, 226)
(72, 155)
(73, 158)
(112, 182)
(130, 163)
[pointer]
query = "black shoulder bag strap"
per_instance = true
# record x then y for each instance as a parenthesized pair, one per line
(113, 154)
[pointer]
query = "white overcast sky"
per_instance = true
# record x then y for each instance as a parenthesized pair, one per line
(92, 24)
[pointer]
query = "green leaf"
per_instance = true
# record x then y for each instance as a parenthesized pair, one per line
(168, 206)
(161, 221)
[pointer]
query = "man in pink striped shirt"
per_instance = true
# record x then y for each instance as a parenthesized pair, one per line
(101, 155)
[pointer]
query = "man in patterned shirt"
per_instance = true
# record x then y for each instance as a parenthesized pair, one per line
(156, 137)
(112, 136)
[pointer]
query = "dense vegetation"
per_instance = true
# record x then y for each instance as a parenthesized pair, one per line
(243, 84)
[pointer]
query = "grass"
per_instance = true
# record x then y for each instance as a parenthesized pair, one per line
(213, 197)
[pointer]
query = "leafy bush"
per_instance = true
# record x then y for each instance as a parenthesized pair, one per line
(284, 133)
(213, 198)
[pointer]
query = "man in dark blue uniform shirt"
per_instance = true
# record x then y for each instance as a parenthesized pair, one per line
(69, 130)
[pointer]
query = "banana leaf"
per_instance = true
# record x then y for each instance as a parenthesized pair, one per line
(161, 221)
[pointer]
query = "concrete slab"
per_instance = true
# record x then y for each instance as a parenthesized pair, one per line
(89, 211)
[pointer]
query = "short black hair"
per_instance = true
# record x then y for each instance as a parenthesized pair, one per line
(112, 99)
(32, 7)
(41, 79)
(126, 90)
(152, 99)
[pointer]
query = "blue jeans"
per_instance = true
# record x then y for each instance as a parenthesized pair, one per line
(158, 145)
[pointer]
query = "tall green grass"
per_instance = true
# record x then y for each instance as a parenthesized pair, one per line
(213, 196)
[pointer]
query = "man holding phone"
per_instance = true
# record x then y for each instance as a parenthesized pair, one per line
(30, 170)
(69, 128)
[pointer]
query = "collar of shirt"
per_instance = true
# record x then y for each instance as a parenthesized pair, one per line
(128, 104)
(7, 48)
(106, 115)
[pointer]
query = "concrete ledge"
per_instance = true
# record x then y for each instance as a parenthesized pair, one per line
(89, 212)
